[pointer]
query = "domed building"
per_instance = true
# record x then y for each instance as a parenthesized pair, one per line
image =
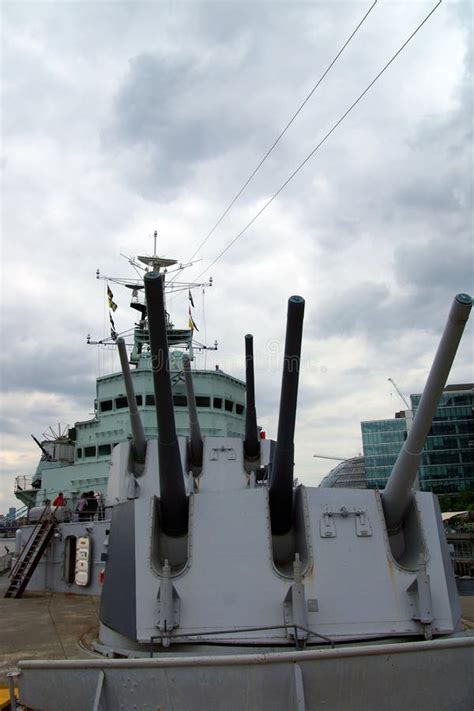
(349, 474)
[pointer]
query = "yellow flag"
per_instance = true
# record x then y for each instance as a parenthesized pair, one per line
(191, 323)
(110, 297)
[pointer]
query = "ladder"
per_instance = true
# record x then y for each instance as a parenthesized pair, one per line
(31, 554)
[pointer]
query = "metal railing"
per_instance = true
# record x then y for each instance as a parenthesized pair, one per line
(23, 483)
(21, 512)
(291, 629)
(47, 513)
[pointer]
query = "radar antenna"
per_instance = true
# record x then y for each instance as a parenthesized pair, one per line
(62, 432)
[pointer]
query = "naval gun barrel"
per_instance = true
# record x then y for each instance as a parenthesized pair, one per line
(195, 442)
(398, 491)
(281, 481)
(45, 452)
(174, 505)
(251, 443)
(138, 435)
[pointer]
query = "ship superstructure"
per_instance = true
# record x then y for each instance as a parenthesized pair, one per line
(78, 459)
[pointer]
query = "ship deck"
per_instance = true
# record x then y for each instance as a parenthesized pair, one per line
(43, 625)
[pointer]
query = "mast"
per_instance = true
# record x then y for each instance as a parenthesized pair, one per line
(178, 338)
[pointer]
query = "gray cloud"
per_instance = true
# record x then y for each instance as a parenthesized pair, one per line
(125, 118)
(10, 425)
(373, 311)
(362, 308)
(38, 368)
(164, 112)
(431, 267)
(221, 95)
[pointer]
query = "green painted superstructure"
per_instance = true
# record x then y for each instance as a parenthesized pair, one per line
(79, 460)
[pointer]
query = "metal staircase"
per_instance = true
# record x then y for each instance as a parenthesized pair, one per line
(31, 554)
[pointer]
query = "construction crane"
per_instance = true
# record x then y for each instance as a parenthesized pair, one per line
(399, 392)
(337, 459)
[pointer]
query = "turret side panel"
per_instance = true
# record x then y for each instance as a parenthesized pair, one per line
(359, 588)
(118, 602)
(230, 580)
(223, 465)
(354, 581)
(117, 482)
(444, 592)
(121, 486)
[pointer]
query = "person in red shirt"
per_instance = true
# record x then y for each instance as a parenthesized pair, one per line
(59, 500)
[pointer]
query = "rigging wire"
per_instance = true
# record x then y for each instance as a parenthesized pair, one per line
(278, 139)
(102, 364)
(204, 328)
(323, 140)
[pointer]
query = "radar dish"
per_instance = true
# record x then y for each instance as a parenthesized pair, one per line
(158, 261)
(61, 432)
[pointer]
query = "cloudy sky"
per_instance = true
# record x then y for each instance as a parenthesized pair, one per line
(119, 118)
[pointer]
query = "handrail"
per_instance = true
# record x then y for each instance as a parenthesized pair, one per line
(24, 479)
(19, 513)
(41, 520)
(351, 650)
(234, 630)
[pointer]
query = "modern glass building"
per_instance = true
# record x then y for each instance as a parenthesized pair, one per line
(447, 465)
(381, 442)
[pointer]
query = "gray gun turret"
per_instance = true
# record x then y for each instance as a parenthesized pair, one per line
(251, 441)
(321, 567)
(398, 492)
(138, 435)
(281, 481)
(195, 438)
(174, 505)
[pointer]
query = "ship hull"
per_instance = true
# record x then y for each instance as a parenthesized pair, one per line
(420, 675)
(56, 571)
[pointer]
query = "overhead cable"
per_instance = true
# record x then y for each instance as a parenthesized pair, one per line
(323, 140)
(278, 139)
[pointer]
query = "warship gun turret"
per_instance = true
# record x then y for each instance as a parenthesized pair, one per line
(229, 584)
(397, 494)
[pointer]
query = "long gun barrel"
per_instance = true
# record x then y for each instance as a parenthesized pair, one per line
(195, 430)
(174, 505)
(281, 482)
(138, 435)
(398, 491)
(46, 454)
(251, 443)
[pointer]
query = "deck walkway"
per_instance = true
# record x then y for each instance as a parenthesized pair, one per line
(45, 626)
